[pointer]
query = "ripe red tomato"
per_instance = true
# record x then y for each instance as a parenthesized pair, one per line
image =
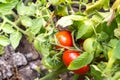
(64, 38)
(69, 56)
(82, 70)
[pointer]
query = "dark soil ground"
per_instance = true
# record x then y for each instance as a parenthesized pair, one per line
(21, 64)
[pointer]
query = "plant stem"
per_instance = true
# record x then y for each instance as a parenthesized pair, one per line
(14, 25)
(71, 9)
(74, 42)
(2, 25)
(75, 77)
(54, 74)
(109, 66)
(80, 6)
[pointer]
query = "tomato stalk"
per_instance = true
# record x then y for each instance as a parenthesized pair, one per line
(80, 6)
(109, 66)
(74, 42)
(54, 74)
(2, 25)
(71, 9)
(75, 77)
(14, 25)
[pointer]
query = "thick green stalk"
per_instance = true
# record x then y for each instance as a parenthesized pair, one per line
(54, 74)
(74, 42)
(75, 77)
(109, 66)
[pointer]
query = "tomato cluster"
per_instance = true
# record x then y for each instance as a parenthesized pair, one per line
(65, 39)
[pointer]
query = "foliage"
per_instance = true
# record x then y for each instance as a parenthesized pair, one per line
(40, 20)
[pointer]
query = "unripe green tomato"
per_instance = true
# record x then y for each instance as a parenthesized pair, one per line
(88, 45)
(91, 45)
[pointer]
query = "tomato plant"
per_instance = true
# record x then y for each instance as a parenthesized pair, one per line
(69, 56)
(47, 23)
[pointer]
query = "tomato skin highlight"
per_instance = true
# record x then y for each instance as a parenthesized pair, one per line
(64, 38)
(69, 56)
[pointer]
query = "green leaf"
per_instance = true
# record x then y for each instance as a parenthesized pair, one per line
(118, 19)
(116, 76)
(4, 41)
(85, 1)
(15, 39)
(81, 61)
(68, 20)
(56, 2)
(9, 5)
(103, 36)
(113, 43)
(41, 47)
(96, 72)
(1, 50)
(109, 30)
(117, 50)
(61, 10)
(3, 1)
(25, 10)
(26, 21)
(41, 43)
(117, 33)
(7, 28)
(51, 63)
(106, 4)
(97, 18)
(36, 27)
(85, 29)
(116, 4)
(65, 21)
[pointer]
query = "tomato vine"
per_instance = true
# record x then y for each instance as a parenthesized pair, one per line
(94, 21)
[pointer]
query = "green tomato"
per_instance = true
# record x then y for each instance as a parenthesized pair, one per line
(90, 45)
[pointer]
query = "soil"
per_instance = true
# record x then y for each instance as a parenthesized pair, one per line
(21, 64)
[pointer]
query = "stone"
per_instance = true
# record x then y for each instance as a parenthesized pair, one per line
(18, 59)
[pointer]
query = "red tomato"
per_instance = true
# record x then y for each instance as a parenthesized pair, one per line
(82, 70)
(69, 56)
(64, 38)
